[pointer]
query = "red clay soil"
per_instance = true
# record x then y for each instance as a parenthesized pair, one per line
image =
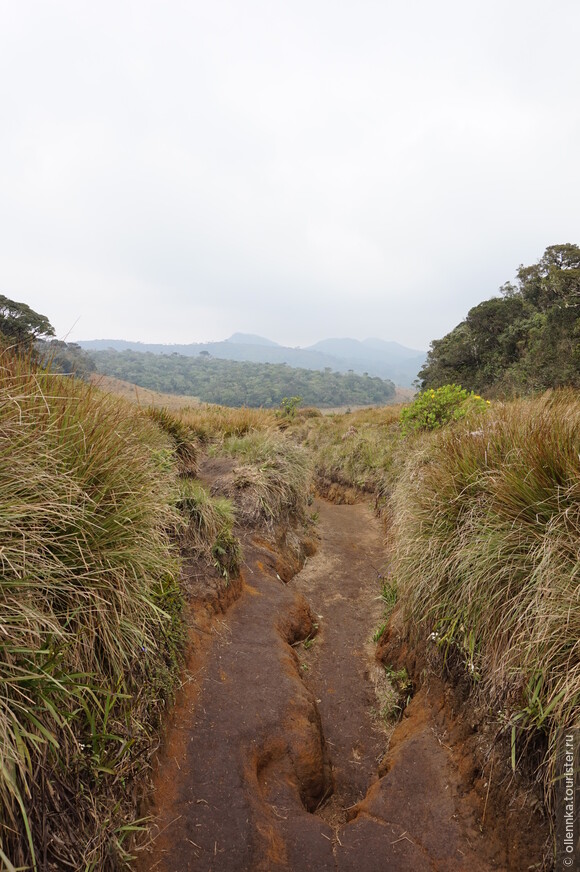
(276, 759)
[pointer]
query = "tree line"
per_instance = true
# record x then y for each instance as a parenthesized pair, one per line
(233, 383)
(30, 334)
(526, 340)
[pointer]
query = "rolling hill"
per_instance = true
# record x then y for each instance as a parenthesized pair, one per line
(387, 360)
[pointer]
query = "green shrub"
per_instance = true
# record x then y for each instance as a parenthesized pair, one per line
(434, 408)
(289, 407)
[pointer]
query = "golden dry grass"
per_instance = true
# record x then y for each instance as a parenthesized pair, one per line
(89, 614)
(142, 396)
(485, 553)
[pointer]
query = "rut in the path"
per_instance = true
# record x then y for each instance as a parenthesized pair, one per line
(342, 586)
(265, 737)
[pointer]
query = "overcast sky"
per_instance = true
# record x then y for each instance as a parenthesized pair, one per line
(178, 171)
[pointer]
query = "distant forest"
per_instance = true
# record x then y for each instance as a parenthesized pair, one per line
(231, 383)
(527, 340)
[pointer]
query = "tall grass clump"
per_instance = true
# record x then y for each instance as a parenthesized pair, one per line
(355, 450)
(210, 528)
(487, 559)
(183, 437)
(273, 473)
(89, 615)
(210, 423)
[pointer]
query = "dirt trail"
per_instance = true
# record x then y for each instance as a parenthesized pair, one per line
(272, 762)
(342, 585)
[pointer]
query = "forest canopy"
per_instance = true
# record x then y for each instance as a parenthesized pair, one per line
(526, 340)
(21, 326)
(29, 333)
(231, 383)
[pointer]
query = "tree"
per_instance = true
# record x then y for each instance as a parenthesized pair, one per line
(20, 325)
(450, 360)
(239, 383)
(526, 340)
(64, 357)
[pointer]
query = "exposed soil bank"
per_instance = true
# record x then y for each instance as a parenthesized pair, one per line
(276, 760)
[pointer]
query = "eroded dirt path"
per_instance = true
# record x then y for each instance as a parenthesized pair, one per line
(272, 762)
(342, 585)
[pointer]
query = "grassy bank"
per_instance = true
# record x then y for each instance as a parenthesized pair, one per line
(272, 473)
(97, 496)
(484, 525)
(353, 450)
(485, 547)
(89, 615)
(98, 503)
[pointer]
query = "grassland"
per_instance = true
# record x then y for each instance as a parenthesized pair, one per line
(98, 498)
(142, 396)
(97, 495)
(89, 611)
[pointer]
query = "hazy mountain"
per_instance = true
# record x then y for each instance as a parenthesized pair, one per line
(251, 339)
(373, 347)
(376, 357)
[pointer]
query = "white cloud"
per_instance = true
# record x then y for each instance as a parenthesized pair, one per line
(183, 170)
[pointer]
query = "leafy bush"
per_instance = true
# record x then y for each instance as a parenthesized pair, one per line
(434, 408)
(289, 407)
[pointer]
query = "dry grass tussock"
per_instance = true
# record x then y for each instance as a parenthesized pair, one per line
(270, 482)
(89, 615)
(211, 423)
(272, 476)
(354, 450)
(210, 529)
(184, 439)
(485, 548)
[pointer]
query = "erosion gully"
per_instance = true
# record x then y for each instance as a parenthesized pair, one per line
(276, 756)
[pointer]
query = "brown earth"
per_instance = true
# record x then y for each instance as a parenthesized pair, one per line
(278, 757)
(142, 396)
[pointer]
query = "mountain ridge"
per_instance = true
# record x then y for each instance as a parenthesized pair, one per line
(377, 357)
